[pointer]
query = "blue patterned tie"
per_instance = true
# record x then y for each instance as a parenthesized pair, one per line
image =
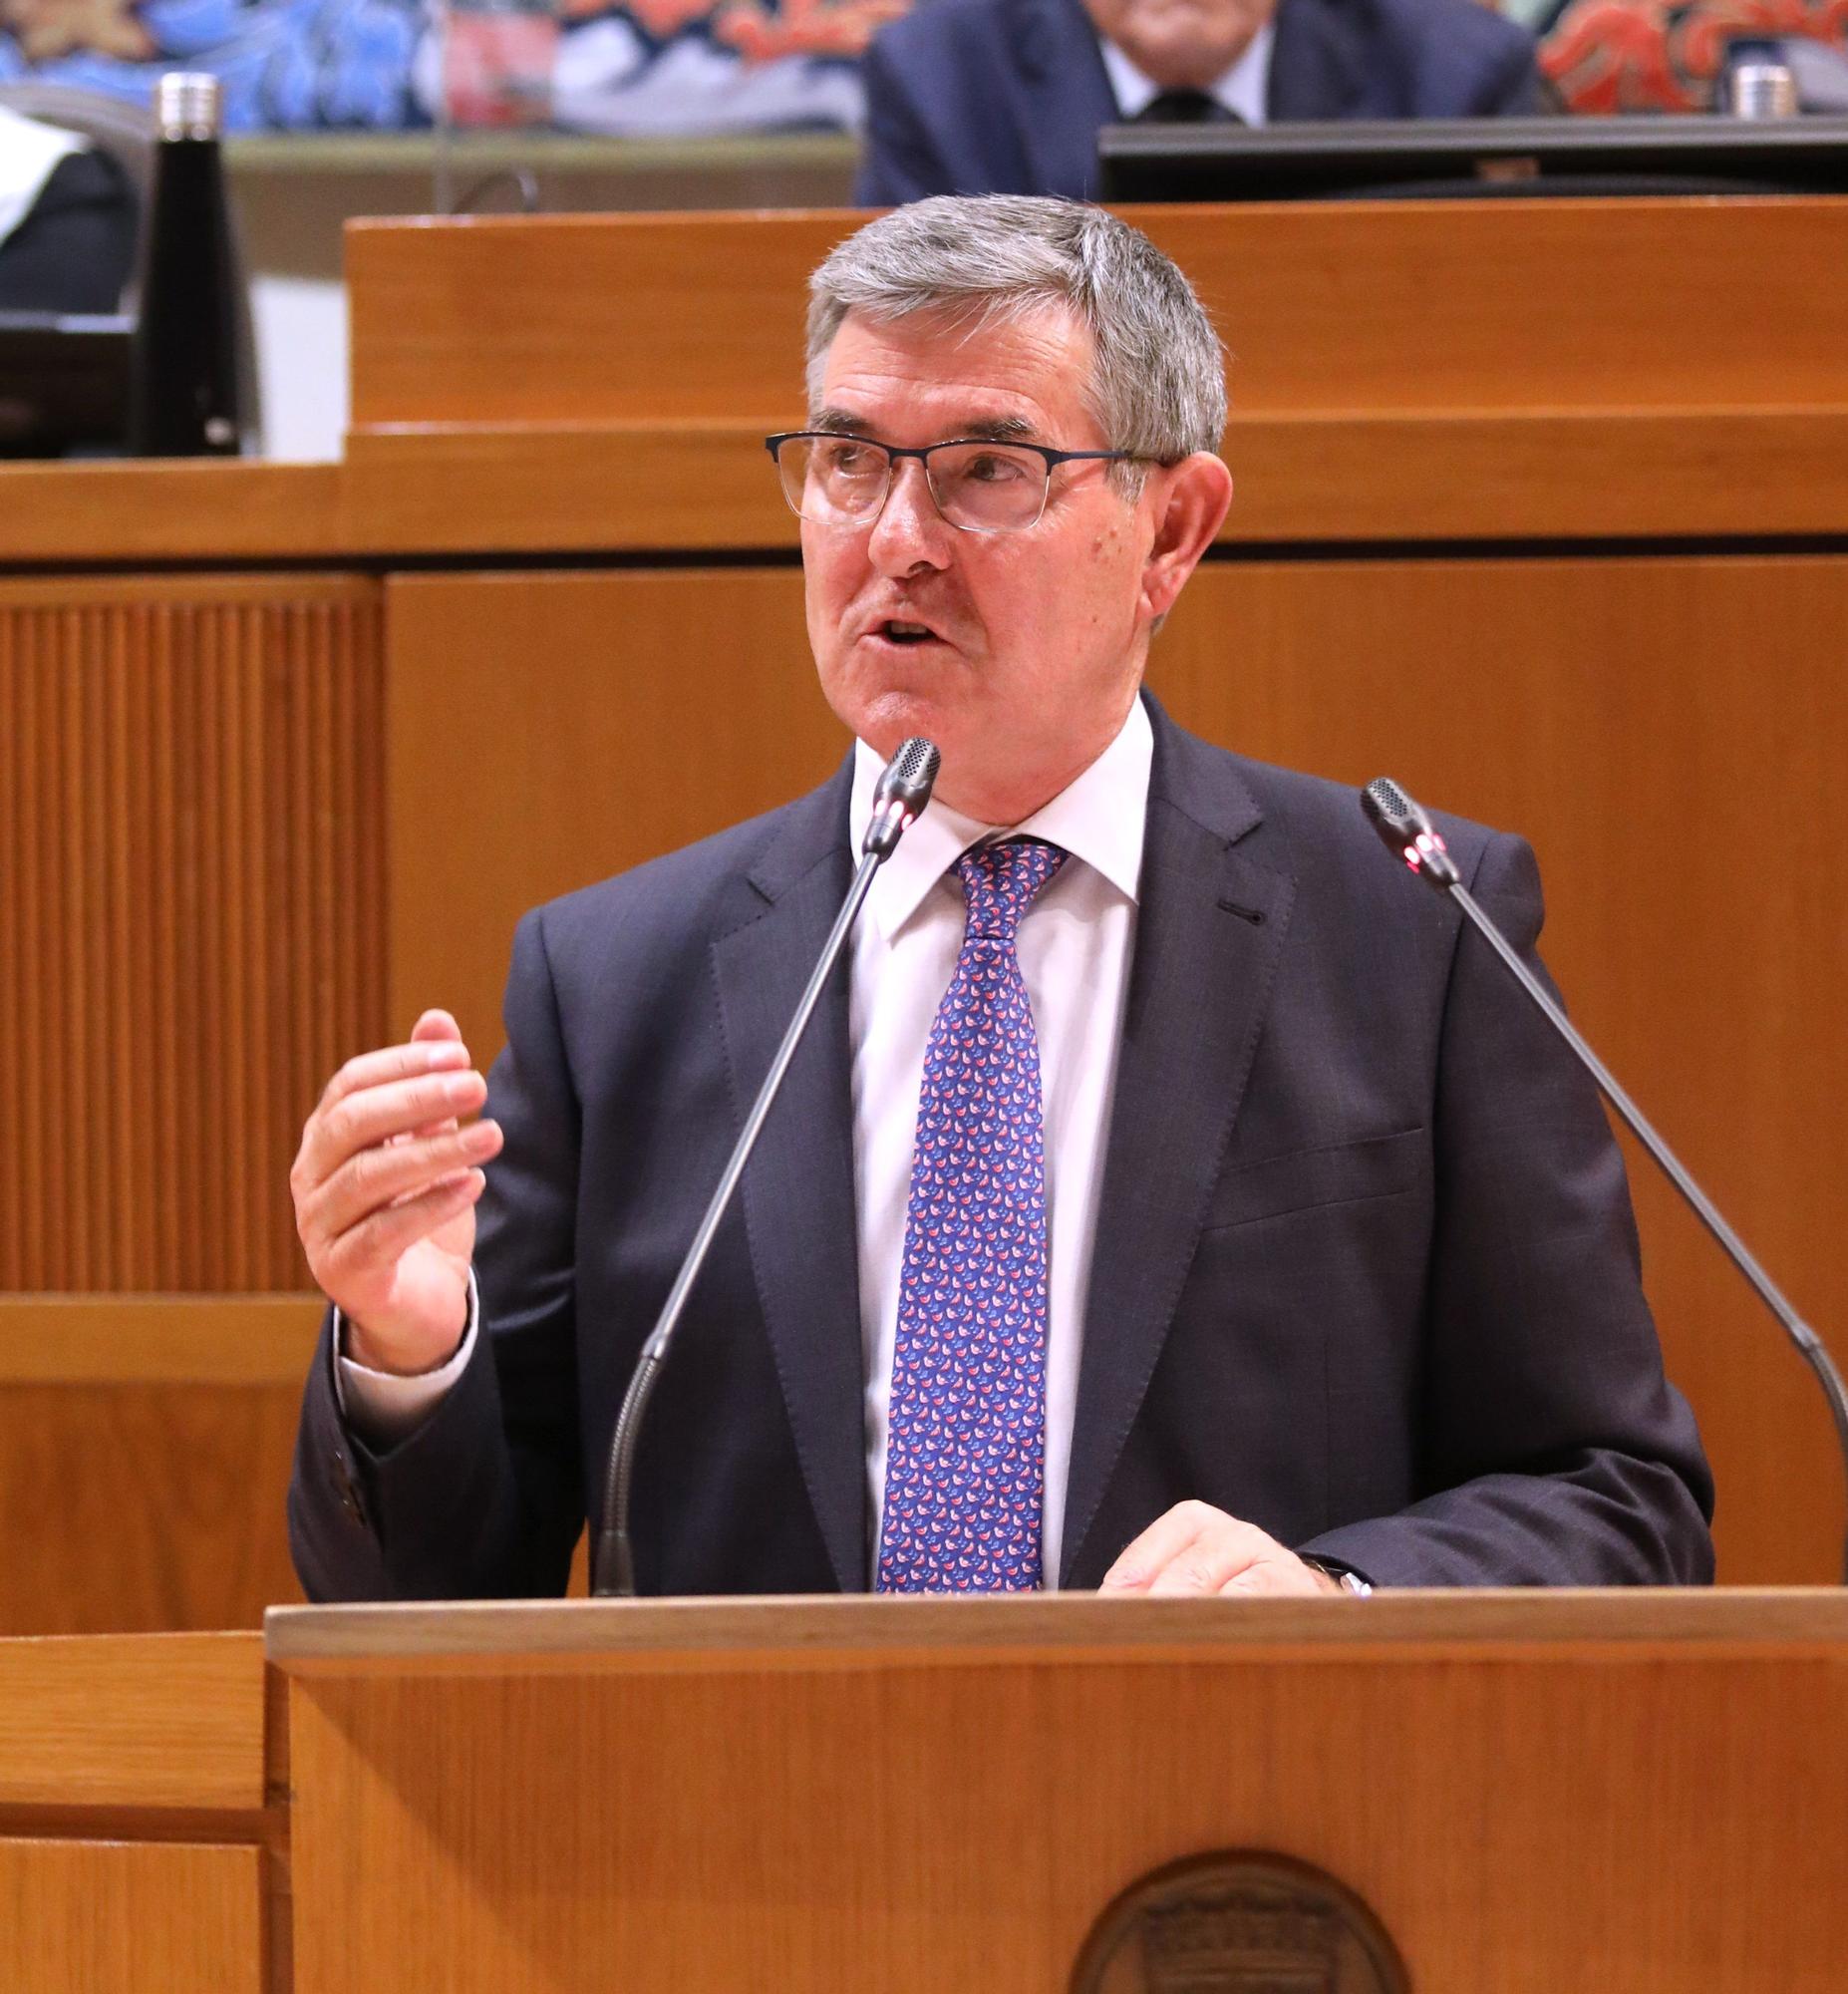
(965, 1453)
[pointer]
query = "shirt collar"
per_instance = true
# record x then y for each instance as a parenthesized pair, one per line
(1244, 89)
(1098, 818)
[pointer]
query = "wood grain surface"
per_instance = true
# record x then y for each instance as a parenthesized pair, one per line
(407, 492)
(1647, 1820)
(1441, 306)
(546, 730)
(121, 1918)
(191, 934)
(508, 1637)
(235, 1340)
(221, 510)
(1321, 476)
(173, 1721)
(135, 1506)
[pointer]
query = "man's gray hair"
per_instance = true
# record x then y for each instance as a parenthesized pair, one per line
(1157, 386)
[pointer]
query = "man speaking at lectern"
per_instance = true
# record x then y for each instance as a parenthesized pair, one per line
(1166, 1196)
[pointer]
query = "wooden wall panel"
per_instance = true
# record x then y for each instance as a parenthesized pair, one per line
(114, 1918)
(139, 1508)
(1600, 706)
(192, 928)
(548, 729)
(1353, 305)
(175, 1723)
(146, 1444)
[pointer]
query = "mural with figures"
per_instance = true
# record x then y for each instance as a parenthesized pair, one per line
(647, 66)
(667, 67)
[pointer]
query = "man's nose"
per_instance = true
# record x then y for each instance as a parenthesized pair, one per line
(909, 532)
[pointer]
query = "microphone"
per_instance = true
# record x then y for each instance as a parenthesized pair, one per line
(900, 795)
(899, 799)
(1407, 830)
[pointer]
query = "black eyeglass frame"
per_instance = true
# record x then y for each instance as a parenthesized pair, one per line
(893, 452)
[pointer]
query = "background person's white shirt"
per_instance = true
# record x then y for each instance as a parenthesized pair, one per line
(1076, 946)
(30, 153)
(1244, 89)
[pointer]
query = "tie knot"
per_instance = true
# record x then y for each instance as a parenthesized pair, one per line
(1186, 107)
(999, 882)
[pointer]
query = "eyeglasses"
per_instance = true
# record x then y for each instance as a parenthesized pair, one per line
(984, 488)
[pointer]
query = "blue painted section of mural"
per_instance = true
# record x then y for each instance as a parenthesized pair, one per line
(656, 67)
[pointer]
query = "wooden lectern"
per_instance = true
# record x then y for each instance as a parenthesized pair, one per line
(1531, 1793)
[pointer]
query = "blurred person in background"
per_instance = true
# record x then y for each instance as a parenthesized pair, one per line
(1007, 95)
(67, 221)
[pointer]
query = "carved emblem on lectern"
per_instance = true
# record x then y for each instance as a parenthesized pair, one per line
(1239, 1924)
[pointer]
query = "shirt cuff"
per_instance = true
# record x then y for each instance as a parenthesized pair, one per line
(382, 1407)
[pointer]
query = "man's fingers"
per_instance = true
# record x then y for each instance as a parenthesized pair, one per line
(390, 1175)
(1285, 1574)
(1159, 1545)
(433, 1027)
(380, 1240)
(343, 1129)
(1217, 1557)
(390, 1063)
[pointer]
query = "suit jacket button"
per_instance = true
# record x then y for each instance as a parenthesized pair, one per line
(350, 1500)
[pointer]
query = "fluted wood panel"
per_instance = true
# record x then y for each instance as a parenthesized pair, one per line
(192, 920)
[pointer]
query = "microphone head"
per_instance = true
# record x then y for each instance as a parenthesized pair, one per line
(909, 775)
(900, 795)
(1405, 827)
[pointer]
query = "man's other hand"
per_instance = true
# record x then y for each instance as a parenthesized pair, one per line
(385, 1187)
(1195, 1550)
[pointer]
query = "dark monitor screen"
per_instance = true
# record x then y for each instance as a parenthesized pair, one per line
(64, 383)
(1498, 156)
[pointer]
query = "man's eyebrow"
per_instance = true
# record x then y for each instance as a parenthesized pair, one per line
(981, 429)
(999, 428)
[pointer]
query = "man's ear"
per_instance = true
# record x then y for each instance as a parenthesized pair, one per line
(1191, 499)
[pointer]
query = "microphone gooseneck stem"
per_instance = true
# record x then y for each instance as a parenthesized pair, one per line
(1809, 1345)
(613, 1566)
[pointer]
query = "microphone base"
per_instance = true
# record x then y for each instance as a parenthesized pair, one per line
(612, 1566)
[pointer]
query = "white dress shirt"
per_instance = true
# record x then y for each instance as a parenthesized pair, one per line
(1243, 89)
(1075, 948)
(30, 153)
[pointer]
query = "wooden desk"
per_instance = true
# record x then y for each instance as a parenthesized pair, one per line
(143, 1845)
(1531, 1793)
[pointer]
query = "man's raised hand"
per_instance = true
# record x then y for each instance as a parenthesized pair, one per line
(385, 1185)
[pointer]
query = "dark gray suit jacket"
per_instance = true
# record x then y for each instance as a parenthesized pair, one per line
(1364, 1272)
(1007, 95)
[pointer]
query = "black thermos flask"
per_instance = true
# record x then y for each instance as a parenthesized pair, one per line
(183, 382)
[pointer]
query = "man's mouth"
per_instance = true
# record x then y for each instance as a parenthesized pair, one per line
(895, 630)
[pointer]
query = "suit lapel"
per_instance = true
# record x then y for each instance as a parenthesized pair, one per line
(1209, 934)
(798, 1192)
(1317, 67)
(1067, 95)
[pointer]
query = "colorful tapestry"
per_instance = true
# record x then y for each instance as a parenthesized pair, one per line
(644, 67)
(1606, 55)
(691, 67)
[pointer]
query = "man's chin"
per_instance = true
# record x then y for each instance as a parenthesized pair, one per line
(888, 705)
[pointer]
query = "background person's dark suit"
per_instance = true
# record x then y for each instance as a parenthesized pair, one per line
(75, 249)
(1007, 95)
(1365, 1269)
